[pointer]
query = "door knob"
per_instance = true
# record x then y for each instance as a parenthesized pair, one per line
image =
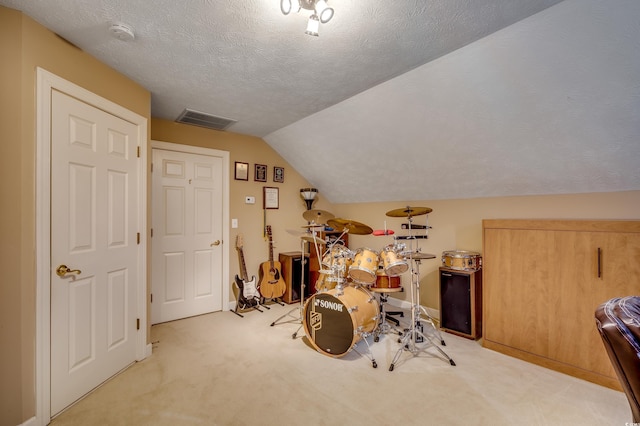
(63, 270)
(215, 243)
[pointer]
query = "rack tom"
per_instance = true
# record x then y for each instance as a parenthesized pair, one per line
(364, 266)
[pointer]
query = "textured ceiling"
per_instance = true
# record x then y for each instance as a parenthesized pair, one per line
(395, 100)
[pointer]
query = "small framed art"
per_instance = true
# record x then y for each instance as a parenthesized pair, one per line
(278, 174)
(260, 173)
(242, 171)
(270, 197)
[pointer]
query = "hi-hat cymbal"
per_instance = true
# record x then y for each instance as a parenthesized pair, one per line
(317, 216)
(352, 226)
(317, 240)
(409, 211)
(307, 236)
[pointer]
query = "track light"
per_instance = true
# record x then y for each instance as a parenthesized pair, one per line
(322, 13)
(313, 25)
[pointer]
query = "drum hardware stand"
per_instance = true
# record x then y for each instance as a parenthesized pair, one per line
(369, 354)
(385, 317)
(414, 334)
(300, 309)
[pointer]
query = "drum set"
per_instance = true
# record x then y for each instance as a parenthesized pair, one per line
(343, 311)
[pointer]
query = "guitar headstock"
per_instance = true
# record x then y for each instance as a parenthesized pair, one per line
(239, 242)
(269, 230)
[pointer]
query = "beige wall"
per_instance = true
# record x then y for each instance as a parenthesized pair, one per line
(27, 45)
(457, 224)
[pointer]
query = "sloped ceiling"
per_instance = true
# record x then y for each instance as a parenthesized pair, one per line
(402, 100)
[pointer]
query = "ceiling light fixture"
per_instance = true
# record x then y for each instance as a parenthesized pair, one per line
(322, 13)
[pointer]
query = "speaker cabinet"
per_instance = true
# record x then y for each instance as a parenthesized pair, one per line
(291, 263)
(461, 302)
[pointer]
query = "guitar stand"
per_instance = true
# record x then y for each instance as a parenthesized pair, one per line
(271, 299)
(247, 306)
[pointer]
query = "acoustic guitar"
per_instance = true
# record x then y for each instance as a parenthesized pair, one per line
(248, 289)
(272, 285)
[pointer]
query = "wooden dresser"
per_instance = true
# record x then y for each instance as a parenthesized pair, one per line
(542, 282)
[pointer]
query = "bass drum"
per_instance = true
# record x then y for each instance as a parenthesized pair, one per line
(462, 260)
(335, 321)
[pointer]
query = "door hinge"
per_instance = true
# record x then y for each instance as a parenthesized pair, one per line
(138, 237)
(151, 297)
(151, 232)
(137, 323)
(151, 167)
(138, 152)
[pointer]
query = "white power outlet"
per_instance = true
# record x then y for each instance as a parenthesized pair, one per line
(249, 200)
(234, 223)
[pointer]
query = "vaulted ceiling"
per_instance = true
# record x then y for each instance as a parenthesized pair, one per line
(394, 100)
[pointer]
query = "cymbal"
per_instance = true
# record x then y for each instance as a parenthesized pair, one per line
(317, 240)
(307, 236)
(352, 226)
(409, 211)
(317, 216)
(417, 255)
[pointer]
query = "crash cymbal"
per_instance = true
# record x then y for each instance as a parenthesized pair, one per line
(352, 226)
(317, 216)
(409, 211)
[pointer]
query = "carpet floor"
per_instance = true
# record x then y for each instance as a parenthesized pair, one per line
(220, 369)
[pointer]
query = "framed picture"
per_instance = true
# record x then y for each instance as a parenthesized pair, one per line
(278, 174)
(270, 197)
(260, 173)
(242, 171)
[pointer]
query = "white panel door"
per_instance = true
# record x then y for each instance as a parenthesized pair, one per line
(94, 210)
(187, 235)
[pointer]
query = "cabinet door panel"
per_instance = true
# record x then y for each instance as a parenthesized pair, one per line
(517, 290)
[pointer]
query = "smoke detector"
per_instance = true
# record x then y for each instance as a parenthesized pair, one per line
(122, 32)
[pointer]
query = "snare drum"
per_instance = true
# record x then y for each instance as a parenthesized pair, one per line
(385, 284)
(336, 320)
(462, 260)
(364, 266)
(394, 264)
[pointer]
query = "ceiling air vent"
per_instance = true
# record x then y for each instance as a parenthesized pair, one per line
(201, 119)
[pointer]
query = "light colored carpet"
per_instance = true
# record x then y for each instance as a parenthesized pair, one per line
(220, 369)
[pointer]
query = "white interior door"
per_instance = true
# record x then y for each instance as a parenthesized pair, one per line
(95, 205)
(187, 200)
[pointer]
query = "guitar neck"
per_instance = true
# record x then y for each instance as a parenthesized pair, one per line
(270, 245)
(243, 268)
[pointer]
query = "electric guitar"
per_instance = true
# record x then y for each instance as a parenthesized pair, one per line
(247, 287)
(272, 284)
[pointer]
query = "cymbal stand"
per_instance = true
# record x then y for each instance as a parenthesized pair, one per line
(414, 334)
(300, 309)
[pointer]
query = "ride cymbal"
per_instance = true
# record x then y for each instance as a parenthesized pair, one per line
(409, 211)
(317, 216)
(352, 226)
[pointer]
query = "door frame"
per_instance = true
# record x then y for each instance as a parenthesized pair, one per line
(190, 149)
(46, 83)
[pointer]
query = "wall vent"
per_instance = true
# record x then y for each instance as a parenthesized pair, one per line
(201, 119)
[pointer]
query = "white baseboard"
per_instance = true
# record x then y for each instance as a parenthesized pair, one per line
(31, 422)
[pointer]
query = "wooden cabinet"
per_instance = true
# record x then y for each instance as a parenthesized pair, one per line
(314, 264)
(544, 279)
